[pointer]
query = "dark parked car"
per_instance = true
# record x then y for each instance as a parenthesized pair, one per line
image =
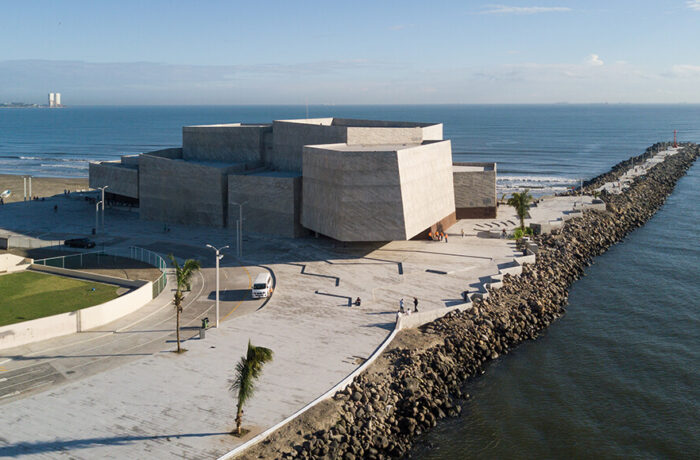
(80, 243)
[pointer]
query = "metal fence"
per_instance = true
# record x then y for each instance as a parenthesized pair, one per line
(102, 256)
(151, 258)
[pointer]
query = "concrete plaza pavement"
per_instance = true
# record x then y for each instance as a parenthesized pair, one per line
(163, 405)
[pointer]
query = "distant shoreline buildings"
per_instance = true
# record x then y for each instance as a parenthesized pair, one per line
(55, 100)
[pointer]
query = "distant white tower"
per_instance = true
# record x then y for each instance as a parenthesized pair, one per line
(52, 99)
(57, 99)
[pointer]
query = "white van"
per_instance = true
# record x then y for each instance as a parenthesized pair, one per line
(262, 287)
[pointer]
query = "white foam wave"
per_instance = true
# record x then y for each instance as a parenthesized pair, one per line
(70, 166)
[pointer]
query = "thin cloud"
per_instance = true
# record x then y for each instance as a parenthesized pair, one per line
(685, 70)
(507, 9)
(594, 60)
(693, 5)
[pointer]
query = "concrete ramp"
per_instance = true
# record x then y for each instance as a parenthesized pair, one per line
(12, 263)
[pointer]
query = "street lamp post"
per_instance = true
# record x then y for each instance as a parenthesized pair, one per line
(103, 205)
(239, 229)
(219, 256)
(97, 215)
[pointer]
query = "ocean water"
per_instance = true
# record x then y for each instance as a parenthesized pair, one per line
(544, 148)
(616, 377)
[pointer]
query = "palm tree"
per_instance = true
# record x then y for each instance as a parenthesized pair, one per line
(182, 276)
(248, 370)
(521, 203)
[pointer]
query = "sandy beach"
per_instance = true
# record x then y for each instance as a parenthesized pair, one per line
(41, 186)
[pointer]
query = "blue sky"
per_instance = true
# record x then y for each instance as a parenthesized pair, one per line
(383, 52)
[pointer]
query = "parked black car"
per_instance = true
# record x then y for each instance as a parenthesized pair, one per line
(80, 243)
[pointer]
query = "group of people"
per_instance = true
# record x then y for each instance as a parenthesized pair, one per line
(407, 311)
(437, 236)
(66, 192)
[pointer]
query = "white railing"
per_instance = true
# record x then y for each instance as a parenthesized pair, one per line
(94, 258)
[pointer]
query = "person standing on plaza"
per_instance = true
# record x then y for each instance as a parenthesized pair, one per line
(401, 309)
(415, 305)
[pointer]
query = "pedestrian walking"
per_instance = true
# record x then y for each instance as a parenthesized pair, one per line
(445, 237)
(401, 309)
(55, 208)
(462, 233)
(415, 305)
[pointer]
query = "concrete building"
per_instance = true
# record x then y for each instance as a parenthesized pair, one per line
(54, 99)
(351, 180)
(475, 190)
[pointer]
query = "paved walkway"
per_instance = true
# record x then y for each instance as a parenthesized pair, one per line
(639, 169)
(163, 405)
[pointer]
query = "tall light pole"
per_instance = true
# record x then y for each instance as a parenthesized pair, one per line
(103, 205)
(239, 229)
(97, 215)
(27, 181)
(219, 256)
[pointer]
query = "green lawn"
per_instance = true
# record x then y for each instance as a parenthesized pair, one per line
(30, 295)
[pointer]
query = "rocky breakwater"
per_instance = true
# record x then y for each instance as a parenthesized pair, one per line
(419, 379)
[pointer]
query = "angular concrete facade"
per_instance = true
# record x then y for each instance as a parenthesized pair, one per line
(234, 142)
(122, 179)
(352, 180)
(184, 192)
(475, 190)
(376, 193)
(271, 203)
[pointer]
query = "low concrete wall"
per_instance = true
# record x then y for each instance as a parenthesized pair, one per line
(27, 242)
(88, 276)
(99, 315)
(528, 259)
(423, 317)
(15, 335)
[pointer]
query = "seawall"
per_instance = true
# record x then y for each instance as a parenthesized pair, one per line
(418, 379)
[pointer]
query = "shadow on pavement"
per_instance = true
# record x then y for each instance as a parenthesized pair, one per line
(23, 448)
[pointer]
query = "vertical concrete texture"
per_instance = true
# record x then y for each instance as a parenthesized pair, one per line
(290, 137)
(376, 193)
(352, 195)
(272, 203)
(122, 179)
(184, 192)
(475, 190)
(370, 136)
(228, 143)
(426, 185)
(173, 153)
